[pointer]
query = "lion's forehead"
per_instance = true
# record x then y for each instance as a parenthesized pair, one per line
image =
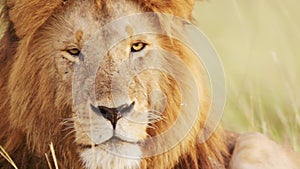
(92, 16)
(82, 21)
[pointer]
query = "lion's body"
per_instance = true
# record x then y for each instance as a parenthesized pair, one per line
(38, 56)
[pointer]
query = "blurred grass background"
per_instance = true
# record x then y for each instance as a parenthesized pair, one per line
(258, 42)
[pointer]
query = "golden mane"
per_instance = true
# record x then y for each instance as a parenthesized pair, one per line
(27, 95)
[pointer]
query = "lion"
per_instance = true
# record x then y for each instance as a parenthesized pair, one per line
(75, 75)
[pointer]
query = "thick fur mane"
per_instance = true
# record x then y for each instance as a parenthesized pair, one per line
(32, 107)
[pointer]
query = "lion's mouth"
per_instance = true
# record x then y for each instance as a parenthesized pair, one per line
(113, 141)
(117, 140)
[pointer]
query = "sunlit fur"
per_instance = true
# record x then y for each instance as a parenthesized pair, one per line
(255, 150)
(35, 89)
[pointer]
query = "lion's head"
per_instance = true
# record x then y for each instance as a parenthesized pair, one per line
(107, 82)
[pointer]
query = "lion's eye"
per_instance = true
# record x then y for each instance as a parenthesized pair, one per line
(73, 55)
(136, 47)
(73, 51)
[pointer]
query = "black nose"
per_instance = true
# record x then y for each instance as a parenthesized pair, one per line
(113, 114)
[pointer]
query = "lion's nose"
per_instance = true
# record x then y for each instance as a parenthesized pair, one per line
(113, 114)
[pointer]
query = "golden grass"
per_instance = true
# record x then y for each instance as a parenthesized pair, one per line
(53, 157)
(4, 154)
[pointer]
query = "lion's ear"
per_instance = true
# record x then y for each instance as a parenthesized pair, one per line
(181, 8)
(29, 15)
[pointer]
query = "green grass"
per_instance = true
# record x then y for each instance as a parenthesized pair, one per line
(258, 43)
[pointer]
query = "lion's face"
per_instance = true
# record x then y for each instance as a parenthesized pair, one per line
(119, 82)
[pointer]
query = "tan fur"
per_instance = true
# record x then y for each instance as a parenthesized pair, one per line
(36, 98)
(256, 151)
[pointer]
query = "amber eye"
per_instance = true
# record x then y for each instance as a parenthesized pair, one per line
(73, 51)
(73, 55)
(136, 47)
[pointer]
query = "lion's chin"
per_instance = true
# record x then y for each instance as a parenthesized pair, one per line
(113, 153)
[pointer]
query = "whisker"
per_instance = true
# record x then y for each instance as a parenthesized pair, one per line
(66, 121)
(69, 125)
(68, 128)
(155, 117)
(155, 120)
(151, 127)
(69, 133)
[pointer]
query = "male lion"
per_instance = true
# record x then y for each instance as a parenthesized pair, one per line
(56, 54)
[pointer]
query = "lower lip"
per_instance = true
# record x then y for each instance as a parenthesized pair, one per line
(116, 140)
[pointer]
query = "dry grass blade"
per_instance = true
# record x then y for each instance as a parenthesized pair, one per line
(53, 155)
(4, 154)
(48, 161)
